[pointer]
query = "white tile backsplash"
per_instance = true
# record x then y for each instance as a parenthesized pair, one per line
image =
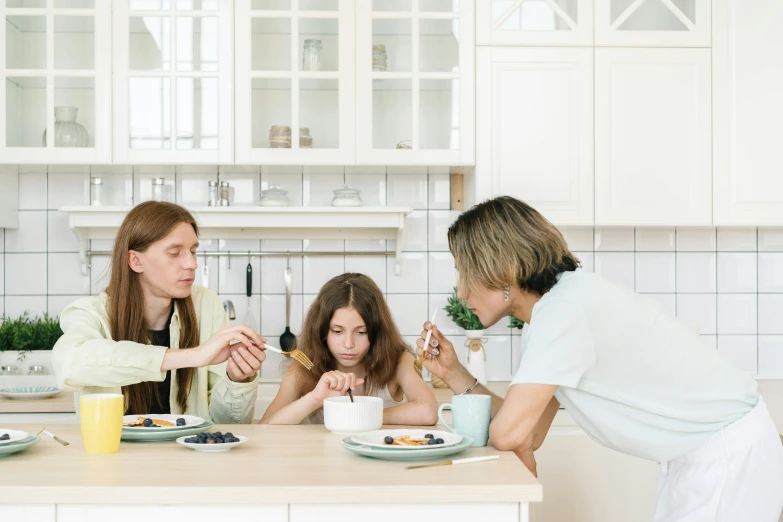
(655, 240)
(655, 272)
(737, 272)
(713, 279)
(696, 272)
(737, 314)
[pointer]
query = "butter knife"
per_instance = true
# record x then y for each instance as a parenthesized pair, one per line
(455, 462)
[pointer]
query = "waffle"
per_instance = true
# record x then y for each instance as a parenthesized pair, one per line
(407, 440)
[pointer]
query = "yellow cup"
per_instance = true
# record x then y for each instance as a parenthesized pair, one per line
(101, 419)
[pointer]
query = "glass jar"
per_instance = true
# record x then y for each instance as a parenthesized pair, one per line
(379, 61)
(280, 137)
(214, 199)
(305, 140)
(347, 197)
(36, 369)
(311, 57)
(274, 196)
(158, 189)
(9, 369)
(96, 191)
(225, 194)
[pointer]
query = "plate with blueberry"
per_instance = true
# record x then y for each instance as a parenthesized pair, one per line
(407, 439)
(213, 442)
(8, 436)
(160, 422)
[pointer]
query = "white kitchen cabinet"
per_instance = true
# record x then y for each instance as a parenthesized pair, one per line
(55, 74)
(653, 23)
(173, 84)
(586, 482)
(535, 129)
(534, 22)
(280, 84)
(197, 513)
(28, 513)
(748, 77)
(415, 82)
(653, 137)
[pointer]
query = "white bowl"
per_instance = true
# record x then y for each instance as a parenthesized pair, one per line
(344, 417)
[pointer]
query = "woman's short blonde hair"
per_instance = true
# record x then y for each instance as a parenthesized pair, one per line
(506, 241)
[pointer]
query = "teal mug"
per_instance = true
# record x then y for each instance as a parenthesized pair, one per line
(470, 414)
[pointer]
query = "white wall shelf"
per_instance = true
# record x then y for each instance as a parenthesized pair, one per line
(256, 223)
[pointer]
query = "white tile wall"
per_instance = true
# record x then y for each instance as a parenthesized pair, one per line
(728, 283)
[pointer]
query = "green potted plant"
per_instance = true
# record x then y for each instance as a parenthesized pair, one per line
(28, 333)
(476, 361)
(513, 322)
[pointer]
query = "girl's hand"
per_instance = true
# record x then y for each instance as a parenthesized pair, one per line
(335, 384)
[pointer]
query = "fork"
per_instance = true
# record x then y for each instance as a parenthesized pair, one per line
(297, 355)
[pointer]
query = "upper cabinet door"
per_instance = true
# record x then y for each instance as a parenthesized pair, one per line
(653, 137)
(55, 89)
(535, 129)
(748, 79)
(415, 82)
(653, 23)
(295, 82)
(534, 22)
(173, 81)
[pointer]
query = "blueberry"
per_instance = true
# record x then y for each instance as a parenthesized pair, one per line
(147, 423)
(211, 441)
(217, 434)
(234, 439)
(388, 440)
(5, 436)
(432, 442)
(429, 436)
(229, 434)
(191, 440)
(180, 422)
(438, 441)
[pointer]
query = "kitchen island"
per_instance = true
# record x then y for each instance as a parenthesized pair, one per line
(283, 473)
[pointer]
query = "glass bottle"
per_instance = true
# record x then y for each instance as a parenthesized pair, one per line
(305, 140)
(214, 199)
(158, 185)
(379, 62)
(311, 57)
(225, 191)
(96, 191)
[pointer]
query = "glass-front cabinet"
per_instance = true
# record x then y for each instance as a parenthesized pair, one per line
(653, 23)
(295, 81)
(535, 22)
(415, 82)
(173, 81)
(56, 81)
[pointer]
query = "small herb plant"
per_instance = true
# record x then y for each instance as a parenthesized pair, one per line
(461, 314)
(513, 322)
(27, 333)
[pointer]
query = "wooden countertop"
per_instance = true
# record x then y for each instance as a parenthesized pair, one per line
(61, 403)
(278, 465)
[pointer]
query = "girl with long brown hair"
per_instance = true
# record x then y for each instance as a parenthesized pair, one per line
(163, 342)
(350, 336)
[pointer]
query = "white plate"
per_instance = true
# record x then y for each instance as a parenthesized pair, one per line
(212, 448)
(375, 438)
(16, 435)
(30, 392)
(190, 421)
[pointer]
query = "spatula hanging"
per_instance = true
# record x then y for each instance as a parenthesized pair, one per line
(287, 338)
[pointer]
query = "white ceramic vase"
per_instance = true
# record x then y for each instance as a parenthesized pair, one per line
(68, 133)
(476, 361)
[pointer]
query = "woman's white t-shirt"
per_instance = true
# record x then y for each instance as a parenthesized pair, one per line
(634, 378)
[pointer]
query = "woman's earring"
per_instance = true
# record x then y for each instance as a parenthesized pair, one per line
(505, 293)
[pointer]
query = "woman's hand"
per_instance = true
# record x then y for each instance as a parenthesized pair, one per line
(335, 384)
(439, 358)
